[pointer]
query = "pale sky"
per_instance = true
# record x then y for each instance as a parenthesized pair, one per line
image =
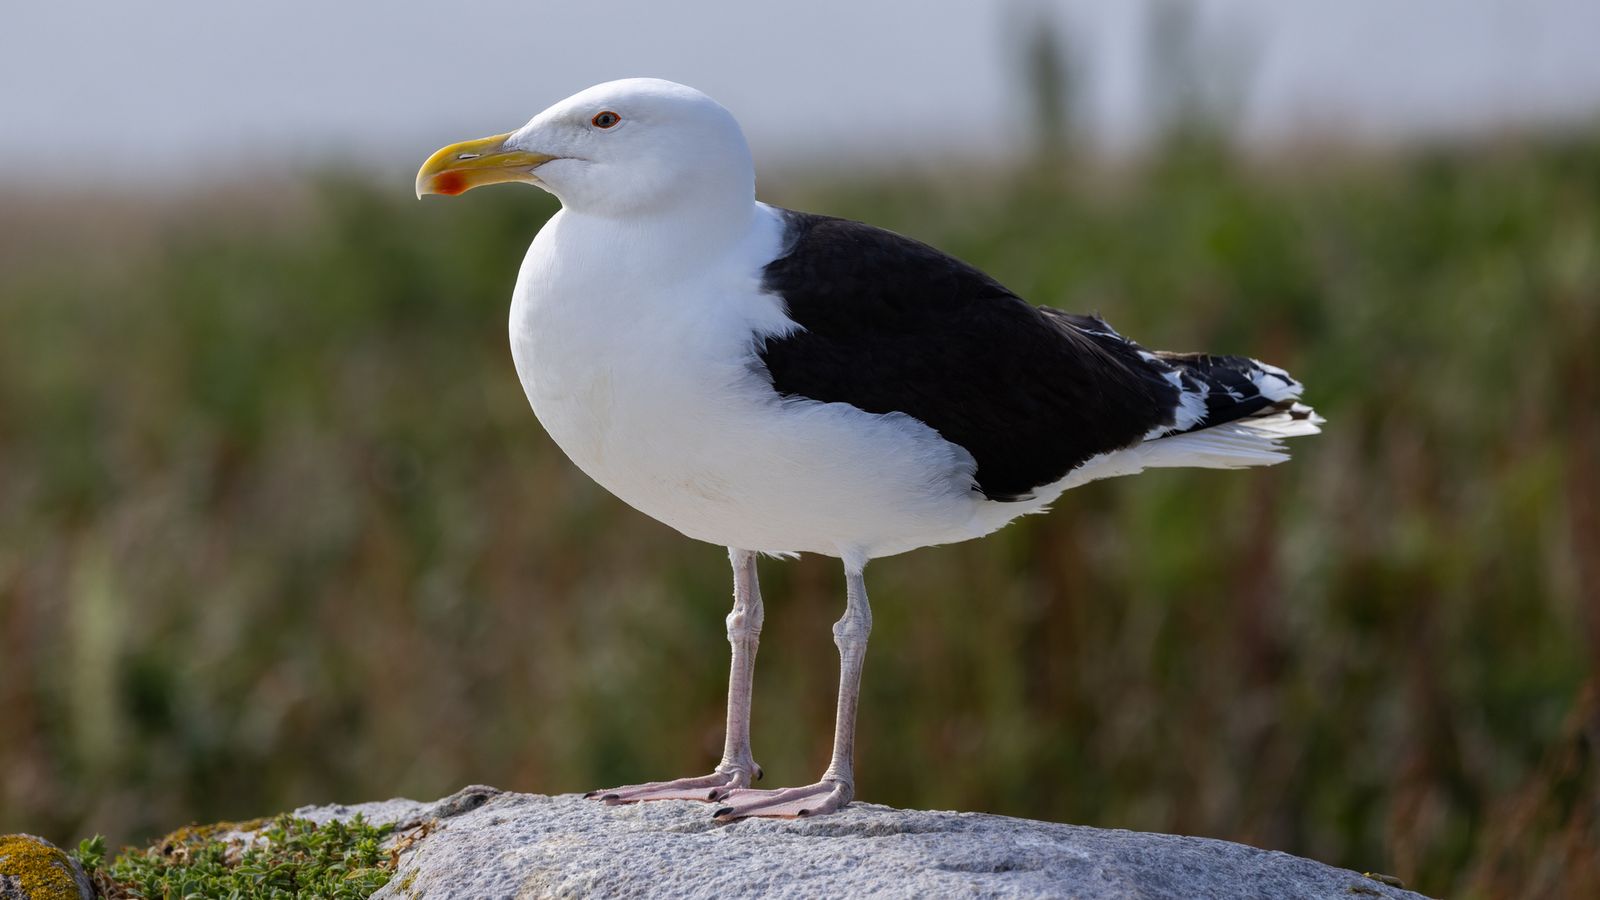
(152, 90)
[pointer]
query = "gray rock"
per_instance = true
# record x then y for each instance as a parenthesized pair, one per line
(482, 843)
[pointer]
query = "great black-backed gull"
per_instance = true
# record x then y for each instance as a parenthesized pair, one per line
(779, 382)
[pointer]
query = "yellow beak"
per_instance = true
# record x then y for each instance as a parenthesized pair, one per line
(461, 167)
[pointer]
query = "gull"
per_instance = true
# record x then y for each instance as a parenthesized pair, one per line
(777, 382)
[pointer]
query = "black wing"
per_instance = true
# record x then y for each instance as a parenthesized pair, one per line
(893, 325)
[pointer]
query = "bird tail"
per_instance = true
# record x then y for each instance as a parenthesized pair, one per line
(1255, 440)
(1240, 410)
(1233, 412)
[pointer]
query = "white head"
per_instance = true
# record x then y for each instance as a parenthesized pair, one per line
(635, 147)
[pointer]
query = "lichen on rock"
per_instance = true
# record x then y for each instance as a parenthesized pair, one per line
(32, 868)
(231, 837)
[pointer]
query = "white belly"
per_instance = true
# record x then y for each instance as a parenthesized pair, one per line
(660, 399)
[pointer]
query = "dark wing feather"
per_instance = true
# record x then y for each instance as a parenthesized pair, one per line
(889, 324)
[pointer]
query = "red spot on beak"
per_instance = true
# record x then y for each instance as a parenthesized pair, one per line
(449, 183)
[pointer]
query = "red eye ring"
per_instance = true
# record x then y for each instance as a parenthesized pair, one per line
(605, 119)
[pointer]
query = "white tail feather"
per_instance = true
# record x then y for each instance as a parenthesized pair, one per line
(1256, 441)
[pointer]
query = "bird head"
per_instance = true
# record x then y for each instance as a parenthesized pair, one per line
(624, 147)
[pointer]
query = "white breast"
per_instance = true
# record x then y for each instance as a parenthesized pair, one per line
(652, 387)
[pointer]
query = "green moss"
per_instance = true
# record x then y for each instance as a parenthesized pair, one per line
(281, 858)
(42, 870)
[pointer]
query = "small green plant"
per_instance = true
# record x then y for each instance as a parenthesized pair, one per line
(91, 853)
(286, 858)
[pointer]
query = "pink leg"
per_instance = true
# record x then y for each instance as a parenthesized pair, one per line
(836, 788)
(738, 766)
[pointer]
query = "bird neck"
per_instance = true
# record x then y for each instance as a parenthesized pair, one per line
(679, 239)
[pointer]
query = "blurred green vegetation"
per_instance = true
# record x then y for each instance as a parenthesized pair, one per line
(277, 526)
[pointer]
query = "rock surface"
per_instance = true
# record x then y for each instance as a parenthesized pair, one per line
(482, 843)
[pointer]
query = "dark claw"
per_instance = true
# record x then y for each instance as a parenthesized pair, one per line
(610, 797)
(760, 774)
(802, 813)
(591, 795)
(722, 812)
(712, 794)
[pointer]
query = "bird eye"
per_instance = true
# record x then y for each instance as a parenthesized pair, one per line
(605, 119)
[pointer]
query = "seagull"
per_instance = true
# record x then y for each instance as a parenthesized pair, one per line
(777, 382)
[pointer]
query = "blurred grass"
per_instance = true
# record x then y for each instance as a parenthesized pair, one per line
(277, 527)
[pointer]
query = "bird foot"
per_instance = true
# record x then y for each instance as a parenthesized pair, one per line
(706, 788)
(825, 796)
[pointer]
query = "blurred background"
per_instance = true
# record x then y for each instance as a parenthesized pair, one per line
(277, 526)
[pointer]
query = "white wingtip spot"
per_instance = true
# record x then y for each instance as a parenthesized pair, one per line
(1191, 408)
(1274, 383)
